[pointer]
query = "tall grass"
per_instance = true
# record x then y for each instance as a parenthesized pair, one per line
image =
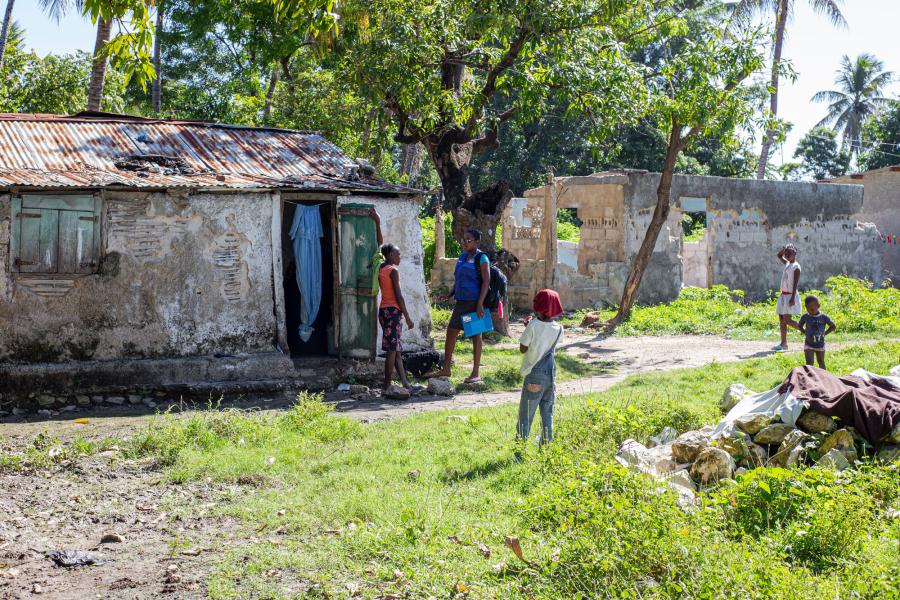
(858, 310)
(420, 507)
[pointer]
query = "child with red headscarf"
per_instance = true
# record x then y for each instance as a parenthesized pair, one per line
(538, 344)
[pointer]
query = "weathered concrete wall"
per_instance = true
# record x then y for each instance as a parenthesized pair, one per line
(400, 226)
(748, 220)
(180, 275)
(613, 226)
(881, 206)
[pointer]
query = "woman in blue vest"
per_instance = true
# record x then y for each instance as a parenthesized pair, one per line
(469, 291)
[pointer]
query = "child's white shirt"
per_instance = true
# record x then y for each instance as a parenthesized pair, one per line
(787, 277)
(539, 336)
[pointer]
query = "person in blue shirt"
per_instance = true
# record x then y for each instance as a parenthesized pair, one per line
(469, 291)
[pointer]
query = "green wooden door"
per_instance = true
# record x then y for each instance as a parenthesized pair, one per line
(357, 245)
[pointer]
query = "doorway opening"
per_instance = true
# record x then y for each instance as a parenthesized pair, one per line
(320, 341)
(695, 254)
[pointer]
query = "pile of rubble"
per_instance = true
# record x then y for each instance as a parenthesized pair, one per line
(689, 461)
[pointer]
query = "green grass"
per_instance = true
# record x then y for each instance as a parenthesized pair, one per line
(859, 311)
(46, 451)
(332, 510)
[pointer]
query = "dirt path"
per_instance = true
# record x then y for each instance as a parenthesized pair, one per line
(630, 355)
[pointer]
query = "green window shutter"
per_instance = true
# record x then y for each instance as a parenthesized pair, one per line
(15, 227)
(55, 234)
(77, 250)
(38, 241)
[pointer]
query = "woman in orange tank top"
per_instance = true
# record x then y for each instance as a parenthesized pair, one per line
(391, 314)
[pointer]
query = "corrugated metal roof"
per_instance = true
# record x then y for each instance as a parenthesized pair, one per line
(82, 151)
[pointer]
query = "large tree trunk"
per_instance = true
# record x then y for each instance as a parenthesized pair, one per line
(660, 214)
(270, 95)
(481, 210)
(411, 163)
(98, 69)
(769, 139)
(4, 33)
(157, 59)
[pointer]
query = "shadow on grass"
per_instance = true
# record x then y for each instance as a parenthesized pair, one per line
(579, 368)
(482, 471)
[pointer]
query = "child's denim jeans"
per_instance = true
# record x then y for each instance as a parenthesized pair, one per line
(538, 390)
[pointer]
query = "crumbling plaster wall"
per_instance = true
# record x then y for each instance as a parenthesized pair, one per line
(180, 274)
(749, 220)
(881, 206)
(613, 225)
(400, 226)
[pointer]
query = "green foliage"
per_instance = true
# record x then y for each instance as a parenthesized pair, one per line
(861, 83)
(881, 138)
(568, 232)
(821, 156)
(54, 84)
(451, 244)
(857, 309)
(215, 429)
(693, 226)
(46, 452)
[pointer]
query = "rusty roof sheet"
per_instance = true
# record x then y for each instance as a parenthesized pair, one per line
(81, 150)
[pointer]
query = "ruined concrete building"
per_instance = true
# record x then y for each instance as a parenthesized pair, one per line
(145, 255)
(746, 221)
(881, 206)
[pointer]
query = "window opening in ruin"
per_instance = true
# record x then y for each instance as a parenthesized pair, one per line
(693, 225)
(568, 225)
(321, 341)
(55, 234)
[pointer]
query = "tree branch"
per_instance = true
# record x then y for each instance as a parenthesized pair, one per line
(490, 84)
(491, 139)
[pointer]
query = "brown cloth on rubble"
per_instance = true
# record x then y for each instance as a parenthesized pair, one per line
(872, 408)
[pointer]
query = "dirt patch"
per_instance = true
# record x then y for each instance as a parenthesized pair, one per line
(165, 550)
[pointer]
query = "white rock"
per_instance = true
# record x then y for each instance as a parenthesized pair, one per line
(772, 434)
(712, 464)
(752, 423)
(395, 392)
(733, 395)
(815, 422)
(792, 441)
(681, 483)
(630, 453)
(833, 459)
(667, 435)
(895, 371)
(688, 445)
(440, 386)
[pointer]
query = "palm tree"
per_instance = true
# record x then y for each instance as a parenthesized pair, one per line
(4, 33)
(783, 11)
(157, 58)
(57, 9)
(860, 85)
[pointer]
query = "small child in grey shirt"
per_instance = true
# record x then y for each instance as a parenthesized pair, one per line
(815, 325)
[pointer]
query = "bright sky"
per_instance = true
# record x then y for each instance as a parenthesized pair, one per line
(813, 45)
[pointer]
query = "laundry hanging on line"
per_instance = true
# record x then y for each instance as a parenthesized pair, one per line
(306, 233)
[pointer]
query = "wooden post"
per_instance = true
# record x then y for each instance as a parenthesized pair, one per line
(440, 250)
(550, 249)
